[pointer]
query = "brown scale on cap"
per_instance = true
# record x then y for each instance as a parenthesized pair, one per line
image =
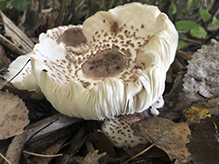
(114, 28)
(72, 37)
(104, 64)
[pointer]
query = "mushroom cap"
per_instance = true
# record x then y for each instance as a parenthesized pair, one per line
(25, 80)
(119, 132)
(116, 72)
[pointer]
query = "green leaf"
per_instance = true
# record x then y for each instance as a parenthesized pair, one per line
(182, 35)
(186, 25)
(3, 5)
(215, 22)
(174, 8)
(198, 32)
(182, 44)
(32, 2)
(205, 15)
(19, 4)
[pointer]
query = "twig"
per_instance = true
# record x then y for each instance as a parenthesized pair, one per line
(43, 155)
(59, 19)
(145, 150)
(191, 41)
(40, 6)
(142, 152)
(215, 126)
(10, 45)
(90, 147)
(17, 73)
(5, 158)
(211, 36)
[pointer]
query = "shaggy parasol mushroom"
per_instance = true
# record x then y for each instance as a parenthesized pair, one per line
(117, 68)
(122, 72)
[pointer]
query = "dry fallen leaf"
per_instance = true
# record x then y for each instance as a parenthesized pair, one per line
(171, 137)
(102, 143)
(50, 150)
(213, 106)
(3, 83)
(23, 94)
(14, 115)
(15, 148)
(92, 158)
(47, 22)
(4, 61)
(204, 141)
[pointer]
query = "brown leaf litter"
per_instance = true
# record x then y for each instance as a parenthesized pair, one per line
(14, 115)
(204, 141)
(169, 136)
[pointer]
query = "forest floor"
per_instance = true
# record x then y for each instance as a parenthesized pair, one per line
(186, 130)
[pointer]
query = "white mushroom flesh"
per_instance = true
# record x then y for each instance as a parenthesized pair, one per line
(159, 103)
